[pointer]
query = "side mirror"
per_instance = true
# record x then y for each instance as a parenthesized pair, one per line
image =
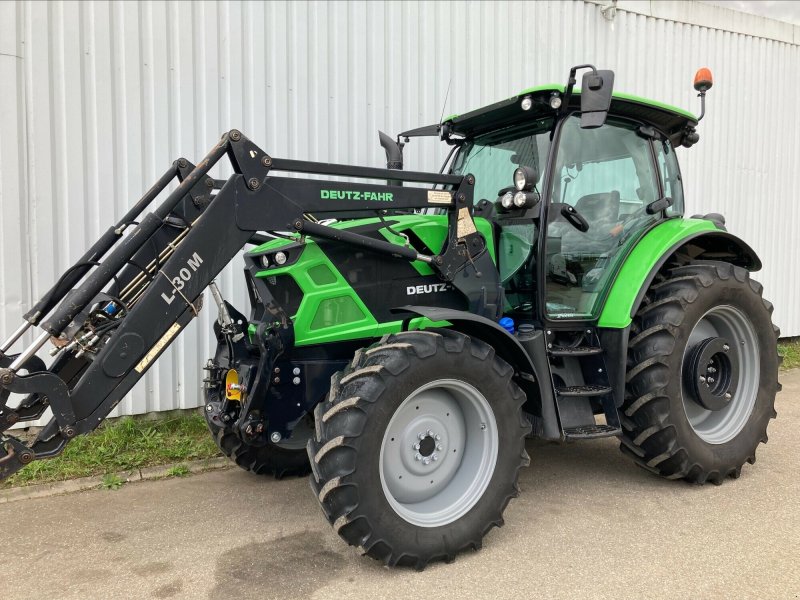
(596, 89)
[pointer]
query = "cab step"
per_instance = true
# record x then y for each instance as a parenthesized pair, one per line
(585, 432)
(583, 391)
(585, 402)
(574, 351)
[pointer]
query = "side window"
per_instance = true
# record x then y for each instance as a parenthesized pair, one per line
(610, 159)
(670, 176)
(607, 175)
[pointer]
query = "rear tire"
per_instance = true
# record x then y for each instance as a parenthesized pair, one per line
(702, 374)
(461, 398)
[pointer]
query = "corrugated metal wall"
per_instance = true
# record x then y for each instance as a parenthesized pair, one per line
(99, 97)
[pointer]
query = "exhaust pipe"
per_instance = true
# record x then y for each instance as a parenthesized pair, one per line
(394, 152)
(394, 155)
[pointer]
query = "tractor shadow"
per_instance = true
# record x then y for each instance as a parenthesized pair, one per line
(593, 462)
(291, 567)
(563, 479)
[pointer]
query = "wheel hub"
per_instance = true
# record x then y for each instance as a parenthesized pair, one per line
(428, 438)
(428, 444)
(712, 372)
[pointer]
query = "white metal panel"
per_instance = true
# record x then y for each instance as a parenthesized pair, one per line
(98, 98)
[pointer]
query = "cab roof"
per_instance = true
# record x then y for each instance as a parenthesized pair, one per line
(670, 120)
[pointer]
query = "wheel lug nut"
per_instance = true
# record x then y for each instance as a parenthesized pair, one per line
(712, 370)
(710, 380)
(426, 461)
(416, 446)
(430, 433)
(435, 456)
(726, 347)
(702, 379)
(439, 447)
(438, 437)
(420, 436)
(418, 456)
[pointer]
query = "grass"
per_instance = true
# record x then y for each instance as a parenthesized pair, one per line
(789, 348)
(112, 481)
(178, 471)
(123, 445)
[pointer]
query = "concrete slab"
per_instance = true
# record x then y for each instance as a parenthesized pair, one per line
(588, 524)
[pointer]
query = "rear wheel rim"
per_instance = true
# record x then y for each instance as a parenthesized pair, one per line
(737, 369)
(439, 453)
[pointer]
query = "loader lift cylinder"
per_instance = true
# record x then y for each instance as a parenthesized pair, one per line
(97, 251)
(106, 271)
(82, 266)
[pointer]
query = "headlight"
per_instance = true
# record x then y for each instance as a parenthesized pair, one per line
(507, 200)
(519, 179)
(265, 261)
(526, 199)
(526, 103)
(555, 101)
(525, 178)
(280, 258)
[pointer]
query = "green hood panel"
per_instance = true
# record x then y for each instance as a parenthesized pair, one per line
(640, 263)
(331, 310)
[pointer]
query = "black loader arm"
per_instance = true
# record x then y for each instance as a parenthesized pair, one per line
(113, 313)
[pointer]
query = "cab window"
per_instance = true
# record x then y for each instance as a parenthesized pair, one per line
(492, 158)
(607, 175)
(670, 176)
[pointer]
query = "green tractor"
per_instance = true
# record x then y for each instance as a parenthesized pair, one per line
(405, 338)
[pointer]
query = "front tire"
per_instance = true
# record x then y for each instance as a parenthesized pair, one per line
(702, 374)
(280, 460)
(284, 459)
(418, 449)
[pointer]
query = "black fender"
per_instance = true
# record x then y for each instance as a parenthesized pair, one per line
(506, 345)
(532, 367)
(705, 245)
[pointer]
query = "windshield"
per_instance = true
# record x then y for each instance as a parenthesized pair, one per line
(493, 157)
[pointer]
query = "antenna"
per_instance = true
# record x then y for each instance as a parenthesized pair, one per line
(446, 95)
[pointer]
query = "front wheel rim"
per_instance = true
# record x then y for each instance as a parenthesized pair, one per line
(439, 453)
(731, 405)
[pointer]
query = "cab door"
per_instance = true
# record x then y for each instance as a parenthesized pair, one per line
(603, 182)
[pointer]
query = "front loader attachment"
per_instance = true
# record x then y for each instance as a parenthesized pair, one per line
(112, 314)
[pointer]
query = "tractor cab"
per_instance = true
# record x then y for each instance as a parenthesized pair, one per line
(569, 197)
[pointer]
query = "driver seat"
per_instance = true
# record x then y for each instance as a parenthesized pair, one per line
(599, 208)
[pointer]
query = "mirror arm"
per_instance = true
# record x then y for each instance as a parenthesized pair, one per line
(571, 81)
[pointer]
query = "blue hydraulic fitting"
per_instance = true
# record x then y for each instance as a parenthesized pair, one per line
(507, 323)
